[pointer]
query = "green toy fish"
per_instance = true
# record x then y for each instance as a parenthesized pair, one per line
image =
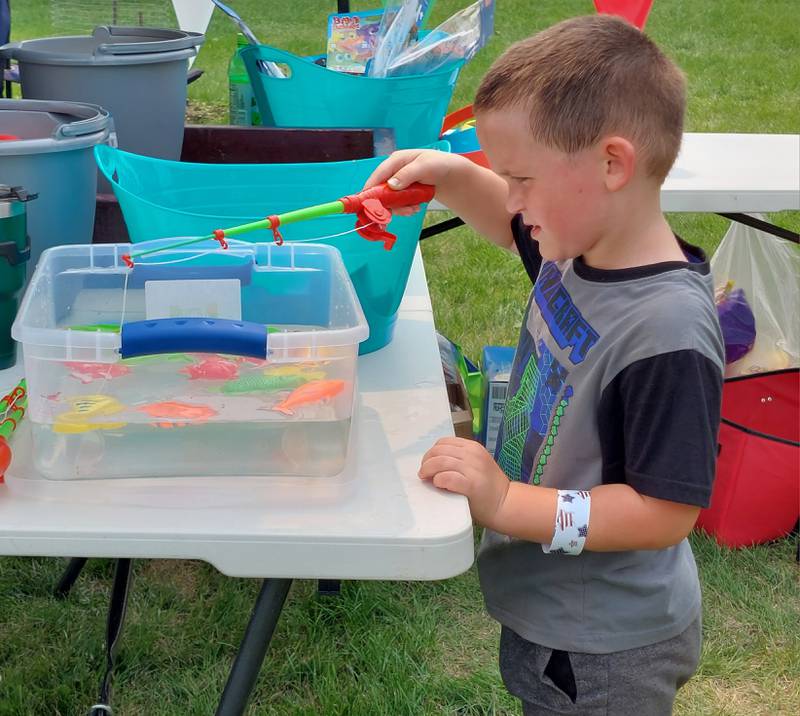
(158, 358)
(263, 384)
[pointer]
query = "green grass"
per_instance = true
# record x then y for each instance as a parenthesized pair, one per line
(419, 648)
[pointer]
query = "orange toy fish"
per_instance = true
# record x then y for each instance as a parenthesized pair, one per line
(177, 414)
(87, 372)
(313, 392)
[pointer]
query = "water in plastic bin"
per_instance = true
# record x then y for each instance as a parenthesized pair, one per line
(282, 419)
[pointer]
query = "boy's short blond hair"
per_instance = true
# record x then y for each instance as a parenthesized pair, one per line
(590, 77)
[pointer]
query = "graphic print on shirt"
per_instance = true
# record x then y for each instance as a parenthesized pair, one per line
(567, 326)
(538, 392)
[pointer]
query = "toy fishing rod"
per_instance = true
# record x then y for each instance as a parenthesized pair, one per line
(12, 408)
(372, 207)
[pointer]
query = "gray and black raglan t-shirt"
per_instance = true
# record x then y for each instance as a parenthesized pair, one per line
(617, 379)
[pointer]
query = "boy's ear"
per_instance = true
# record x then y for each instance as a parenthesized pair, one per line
(619, 162)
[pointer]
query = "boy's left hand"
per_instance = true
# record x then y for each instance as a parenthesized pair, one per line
(466, 467)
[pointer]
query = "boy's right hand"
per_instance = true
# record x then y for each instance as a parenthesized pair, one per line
(406, 166)
(475, 194)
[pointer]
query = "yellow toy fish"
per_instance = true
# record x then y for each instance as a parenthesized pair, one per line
(295, 370)
(84, 409)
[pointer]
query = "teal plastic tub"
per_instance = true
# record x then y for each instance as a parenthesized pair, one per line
(161, 198)
(314, 96)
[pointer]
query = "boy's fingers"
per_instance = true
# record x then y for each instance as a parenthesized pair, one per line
(440, 449)
(451, 481)
(389, 167)
(439, 463)
(384, 171)
(462, 443)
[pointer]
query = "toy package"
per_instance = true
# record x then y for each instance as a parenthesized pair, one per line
(352, 38)
(457, 39)
(496, 366)
(399, 30)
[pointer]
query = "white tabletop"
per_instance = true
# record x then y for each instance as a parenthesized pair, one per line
(375, 521)
(734, 173)
(729, 173)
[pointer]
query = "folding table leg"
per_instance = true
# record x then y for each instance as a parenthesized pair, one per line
(71, 573)
(253, 648)
(116, 617)
(329, 587)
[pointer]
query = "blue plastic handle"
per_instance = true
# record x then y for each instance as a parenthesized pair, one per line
(194, 335)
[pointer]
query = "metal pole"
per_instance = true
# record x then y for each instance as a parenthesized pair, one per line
(71, 573)
(254, 647)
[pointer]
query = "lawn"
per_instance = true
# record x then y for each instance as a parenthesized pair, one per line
(417, 648)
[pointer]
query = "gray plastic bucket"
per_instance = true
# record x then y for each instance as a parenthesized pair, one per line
(137, 73)
(53, 157)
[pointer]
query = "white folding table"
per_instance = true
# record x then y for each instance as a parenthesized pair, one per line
(377, 520)
(732, 173)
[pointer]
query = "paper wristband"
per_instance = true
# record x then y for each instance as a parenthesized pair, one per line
(572, 523)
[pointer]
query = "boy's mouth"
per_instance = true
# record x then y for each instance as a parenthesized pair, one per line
(535, 230)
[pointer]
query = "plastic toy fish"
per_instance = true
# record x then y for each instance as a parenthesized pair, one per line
(299, 371)
(98, 328)
(174, 414)
(212, 368)
(158, 358)
(314, 392)
(85, 409)
(87, 372)
(263, 384)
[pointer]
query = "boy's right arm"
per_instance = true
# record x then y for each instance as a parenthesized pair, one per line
(472, 192)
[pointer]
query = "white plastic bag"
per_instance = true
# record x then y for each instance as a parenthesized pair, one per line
(399, 29)
(767, 268)
(457, 38)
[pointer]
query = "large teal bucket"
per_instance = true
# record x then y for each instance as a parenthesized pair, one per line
(313, 96)
(161, 198)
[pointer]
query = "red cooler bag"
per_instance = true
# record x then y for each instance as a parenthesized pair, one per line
(756, 495)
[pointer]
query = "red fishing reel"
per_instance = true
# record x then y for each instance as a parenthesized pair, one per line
(373, 208)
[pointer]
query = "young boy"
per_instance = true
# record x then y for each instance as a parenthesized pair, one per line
(607, 447)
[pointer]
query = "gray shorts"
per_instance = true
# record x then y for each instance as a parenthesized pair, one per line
(638, 682)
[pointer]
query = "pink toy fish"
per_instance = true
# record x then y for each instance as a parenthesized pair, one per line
(177, 414)
(87, 372)
(213, 368)
(313, 392)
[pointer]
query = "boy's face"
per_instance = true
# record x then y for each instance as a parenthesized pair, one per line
(561, 195)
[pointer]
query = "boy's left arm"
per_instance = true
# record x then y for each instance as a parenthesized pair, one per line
(620, 519)
(667, 411)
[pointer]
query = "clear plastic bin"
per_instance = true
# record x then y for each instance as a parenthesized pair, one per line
(197, 361)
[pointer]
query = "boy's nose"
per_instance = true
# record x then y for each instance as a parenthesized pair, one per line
(514, 203)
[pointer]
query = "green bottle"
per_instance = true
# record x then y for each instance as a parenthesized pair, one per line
(15, 250)
(243, 110)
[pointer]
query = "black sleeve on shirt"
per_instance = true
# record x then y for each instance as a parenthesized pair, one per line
(658, 422)
(527, 248)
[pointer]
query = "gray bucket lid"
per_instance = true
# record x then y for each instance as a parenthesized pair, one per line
(43, 126)
(108, 45)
